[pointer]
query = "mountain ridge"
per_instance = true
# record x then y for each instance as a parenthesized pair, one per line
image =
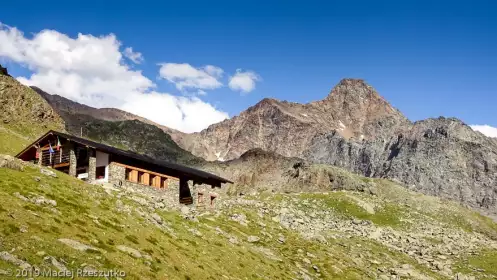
(119, 128)
(66, 106)
(352, 107)
(352, 127)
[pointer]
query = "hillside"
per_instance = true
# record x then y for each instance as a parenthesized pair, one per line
(132, 135)
(56, 222)
(120, 129)
(74, 113)
(24, 115)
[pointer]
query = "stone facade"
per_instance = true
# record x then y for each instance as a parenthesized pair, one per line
(117, 174)
(117, 177)
(170, 195)
(92, 165)
(40, 155)
(205, 196)
(72, 160)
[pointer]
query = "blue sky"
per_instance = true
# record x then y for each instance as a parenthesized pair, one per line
(428, 58)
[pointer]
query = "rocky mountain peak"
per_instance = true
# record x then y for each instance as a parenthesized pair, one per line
(352, 82)
(359, 111)
(264, 103)
(354, 109)
(353, 91)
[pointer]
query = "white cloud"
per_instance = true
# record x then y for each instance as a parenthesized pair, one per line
(136, 57)
(184, 76)
(91, 70)
(190, 112)
(243, 81)
(485, 129)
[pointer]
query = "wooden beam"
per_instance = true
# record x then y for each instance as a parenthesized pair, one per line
(61, 165)
(146, 171)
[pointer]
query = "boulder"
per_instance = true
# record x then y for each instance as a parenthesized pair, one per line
(47, 172)
(8, 257)
(157, 218)
(253, 239)
(10, 162)
(132, 252)
(60, 266)
(77, 245)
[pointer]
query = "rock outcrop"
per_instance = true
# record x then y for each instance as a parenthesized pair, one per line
(441, 157)
(3, 71)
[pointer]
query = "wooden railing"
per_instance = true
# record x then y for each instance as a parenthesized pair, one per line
(57, 159)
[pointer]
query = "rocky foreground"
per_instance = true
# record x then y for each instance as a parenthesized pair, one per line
(50, 221)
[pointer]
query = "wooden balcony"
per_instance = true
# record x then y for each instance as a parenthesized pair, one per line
(60, 158)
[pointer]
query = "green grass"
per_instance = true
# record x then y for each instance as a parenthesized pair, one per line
(89, 215)
(486, 260)
(180, 255)
(11, 144)
(15, 137)
(387, 215)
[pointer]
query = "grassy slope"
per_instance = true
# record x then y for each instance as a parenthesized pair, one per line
(180, 257)
(88, 214)
(24, 116)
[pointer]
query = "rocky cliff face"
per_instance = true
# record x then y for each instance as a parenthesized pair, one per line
(353, 109)
(355, 128)
(441, 157)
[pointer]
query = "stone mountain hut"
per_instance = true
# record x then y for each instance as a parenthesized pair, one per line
(99, 163)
